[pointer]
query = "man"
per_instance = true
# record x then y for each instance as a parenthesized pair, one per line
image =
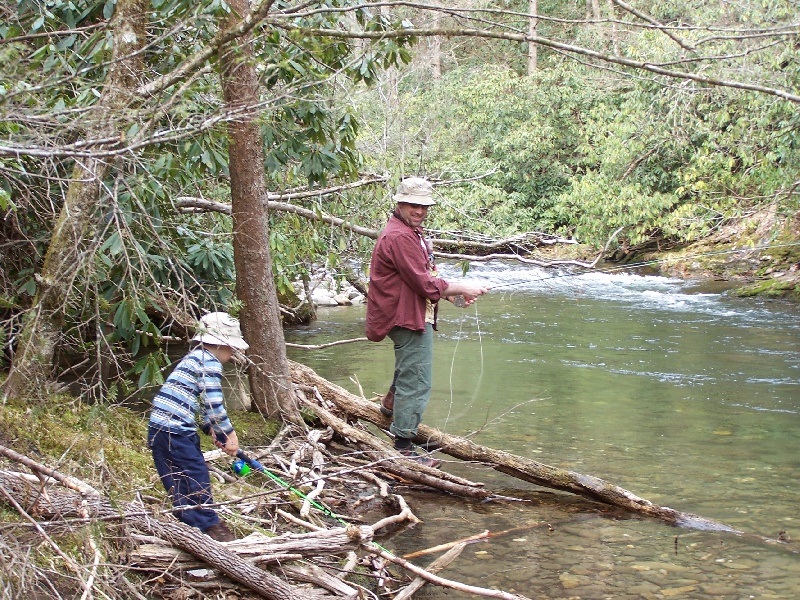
(402, 302)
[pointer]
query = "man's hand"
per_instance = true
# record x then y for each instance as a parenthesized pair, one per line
(464, 293)
(478, 289)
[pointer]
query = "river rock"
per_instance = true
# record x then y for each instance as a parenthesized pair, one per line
(343, 300)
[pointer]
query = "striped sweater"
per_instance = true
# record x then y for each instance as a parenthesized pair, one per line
(192, 396)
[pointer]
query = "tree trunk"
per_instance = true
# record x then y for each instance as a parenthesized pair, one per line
(533, 23)
(33, 363)
(613, 33)
(270, 384)
(435, 45)
(520, 467)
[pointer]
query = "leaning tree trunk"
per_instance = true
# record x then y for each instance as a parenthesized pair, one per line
(270, 383)
(32, 366)
(520, 467)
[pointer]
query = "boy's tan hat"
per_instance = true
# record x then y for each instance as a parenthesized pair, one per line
(220, 329)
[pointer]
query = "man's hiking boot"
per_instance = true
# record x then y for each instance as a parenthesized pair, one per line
(425, 461)
(387, 403)
(220, 533)
(428, 446)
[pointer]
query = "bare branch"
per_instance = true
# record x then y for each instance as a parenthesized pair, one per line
(652, 21)
(559, 46)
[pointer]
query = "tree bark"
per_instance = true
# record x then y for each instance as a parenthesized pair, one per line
(270, 384)
(33, 364)
(588, 486)
(436, 49)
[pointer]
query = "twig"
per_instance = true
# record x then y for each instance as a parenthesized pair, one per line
(405, 514)
(328, 345)
(436, 566)
(71, 564)
(441, 547)
(87, 592)
(70, 482)
(447, 583)
(292, 519)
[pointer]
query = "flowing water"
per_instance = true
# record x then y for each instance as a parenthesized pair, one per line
(686, 396)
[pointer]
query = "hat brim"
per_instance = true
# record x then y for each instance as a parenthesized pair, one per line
(418, 200)
(233, 342)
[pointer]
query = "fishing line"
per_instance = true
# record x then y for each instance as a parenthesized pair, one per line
(608, 270)
(646, 263)
(453, 361)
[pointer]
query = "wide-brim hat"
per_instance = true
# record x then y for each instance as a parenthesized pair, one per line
(220, 329)
(415, 190)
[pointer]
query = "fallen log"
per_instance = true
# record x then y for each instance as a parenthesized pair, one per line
(259, 548)
(522, 468)
(380, 452)
(56, 503)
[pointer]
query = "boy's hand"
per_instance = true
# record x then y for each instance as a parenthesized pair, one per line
(229, 446)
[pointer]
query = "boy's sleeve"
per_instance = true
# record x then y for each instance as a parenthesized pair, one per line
(215, 417)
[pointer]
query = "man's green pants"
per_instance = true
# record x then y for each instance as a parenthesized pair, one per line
(413, 378)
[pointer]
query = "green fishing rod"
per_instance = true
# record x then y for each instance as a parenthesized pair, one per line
(244, 464)
(646, 263)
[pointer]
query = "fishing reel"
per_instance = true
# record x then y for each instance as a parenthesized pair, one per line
(240, 467)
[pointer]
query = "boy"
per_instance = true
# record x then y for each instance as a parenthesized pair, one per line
(192, 394)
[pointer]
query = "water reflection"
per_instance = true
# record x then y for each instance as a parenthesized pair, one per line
(684, 396)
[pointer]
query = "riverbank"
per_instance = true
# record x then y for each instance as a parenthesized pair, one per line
(764, 260)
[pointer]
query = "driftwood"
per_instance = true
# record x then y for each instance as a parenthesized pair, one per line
(471, 589)
(440, 563)
(588, 486)
(394, 463)
(55, 503)
(259, 548)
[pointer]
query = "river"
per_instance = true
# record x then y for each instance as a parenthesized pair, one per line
(672, 389)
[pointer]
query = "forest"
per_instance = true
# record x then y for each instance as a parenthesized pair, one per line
(164, 159)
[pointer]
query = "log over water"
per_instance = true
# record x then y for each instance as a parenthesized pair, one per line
(519, 467)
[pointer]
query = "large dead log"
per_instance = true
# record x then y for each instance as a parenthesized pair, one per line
(51, 503)
(519, 467)
(258, 548)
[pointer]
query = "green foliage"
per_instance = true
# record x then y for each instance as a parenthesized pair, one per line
(595, 207)
(570, 152)
(151, 265)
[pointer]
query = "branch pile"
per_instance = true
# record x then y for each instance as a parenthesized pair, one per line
(294, 542)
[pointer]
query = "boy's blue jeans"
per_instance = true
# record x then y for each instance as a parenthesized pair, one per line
(180, 465)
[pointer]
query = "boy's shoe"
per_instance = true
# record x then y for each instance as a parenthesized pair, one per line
(425, 461)
(220, 533)
(387, 404)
